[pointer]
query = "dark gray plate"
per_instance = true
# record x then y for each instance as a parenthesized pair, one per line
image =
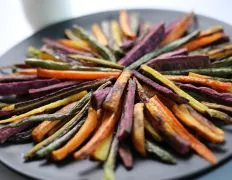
(12, 155)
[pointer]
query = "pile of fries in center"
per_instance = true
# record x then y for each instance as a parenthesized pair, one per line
(131, 88)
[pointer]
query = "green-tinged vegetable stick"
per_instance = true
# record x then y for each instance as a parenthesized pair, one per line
(100, 62)
(172, 46)
(103, 51)
(223, 63)
(58, 133)
(108, 170)
(58, 142)
(105, 25)
(50, 106)
(193, 102)
(55, 116)
(47, 64)
(219, 72)
(159, 152)
(33, 52)
(218, 106)
(81, 136)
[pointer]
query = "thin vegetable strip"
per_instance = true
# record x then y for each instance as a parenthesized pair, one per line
(88, 75)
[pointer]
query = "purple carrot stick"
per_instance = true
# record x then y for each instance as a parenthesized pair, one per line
(127, 111)
(14, 78)
(23, 87)
(225, 98)
(126, 156)
(54, 87)
(162, 89)
(99, 96)
(147, 44)
(180, 62)
(182, 51)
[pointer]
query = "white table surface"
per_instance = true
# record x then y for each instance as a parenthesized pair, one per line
(15, 27)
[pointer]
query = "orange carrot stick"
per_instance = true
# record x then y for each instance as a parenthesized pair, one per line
(100, 36)
(40, 131)
(124, 24)
(179, 29)
(203, 41)
(199, 147)
(75, 74)
(214, 84)
(108, 123)
(85, 131)
(27, 71)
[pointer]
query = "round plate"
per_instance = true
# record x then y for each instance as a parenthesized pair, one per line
(12, 155)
